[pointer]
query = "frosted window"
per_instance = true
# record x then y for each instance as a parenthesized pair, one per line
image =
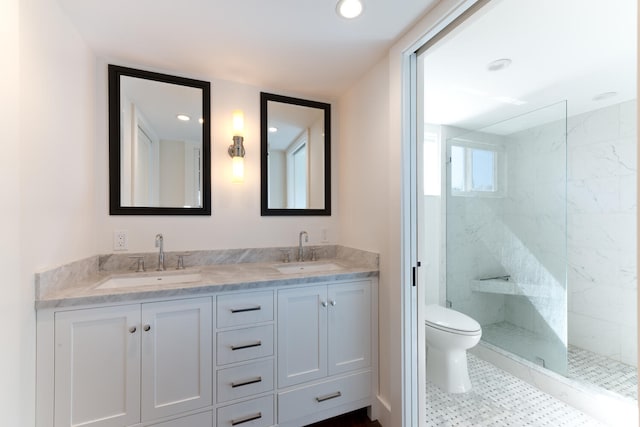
(483, 170)
(476, 171)
(458, 168)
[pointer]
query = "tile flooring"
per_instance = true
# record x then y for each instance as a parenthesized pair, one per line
(609, 374)
(499, 399)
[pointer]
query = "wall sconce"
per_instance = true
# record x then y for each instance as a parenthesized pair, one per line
(236, 150)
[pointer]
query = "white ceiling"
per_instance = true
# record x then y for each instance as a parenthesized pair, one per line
(560, 50)
(298, 46)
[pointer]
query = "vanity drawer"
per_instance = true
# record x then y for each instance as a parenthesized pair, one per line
(204, 419)
(244, 309)
(252, 413)
(245, 380)
(303, 401)
(244, 344)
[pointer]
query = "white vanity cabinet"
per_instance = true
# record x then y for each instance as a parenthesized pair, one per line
(287, 354)
(122, 365)
(324, 333)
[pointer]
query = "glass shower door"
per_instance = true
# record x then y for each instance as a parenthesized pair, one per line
(506, 232)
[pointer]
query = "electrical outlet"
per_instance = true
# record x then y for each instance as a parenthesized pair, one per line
(323, 237)
(120, 240)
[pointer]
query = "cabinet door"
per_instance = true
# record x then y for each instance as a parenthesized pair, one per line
(302, 335)
(97, 367)
(349, 326)
(176, 356)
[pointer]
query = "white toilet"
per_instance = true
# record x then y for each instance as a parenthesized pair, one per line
(449, 334)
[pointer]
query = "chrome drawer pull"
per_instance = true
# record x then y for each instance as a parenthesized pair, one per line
(246, 419)
(240, 347)
(247, 382)
(329, 396)
(242, 310)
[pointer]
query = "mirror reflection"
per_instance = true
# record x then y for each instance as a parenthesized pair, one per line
(295, 156)
(159, 143)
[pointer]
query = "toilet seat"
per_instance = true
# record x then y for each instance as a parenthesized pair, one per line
(450, 321)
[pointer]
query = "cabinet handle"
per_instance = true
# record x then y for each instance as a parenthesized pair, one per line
(146, 328)
(242, 310)
(328, 396)
(324, 303)
(240, 347)
(133, 329)
(247, 382)
(246, 419)
(333, 302)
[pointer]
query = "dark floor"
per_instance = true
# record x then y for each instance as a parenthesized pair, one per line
(352, 419)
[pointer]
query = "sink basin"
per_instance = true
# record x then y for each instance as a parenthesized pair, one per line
(146, 280)
(307, 267)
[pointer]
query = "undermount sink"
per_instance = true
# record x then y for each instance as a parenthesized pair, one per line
(307, 267)
(151, 279)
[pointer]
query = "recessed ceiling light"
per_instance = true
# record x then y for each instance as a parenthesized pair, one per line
(273, 129)
(499, 64)
(349, 8)
(183, 117)
(604, 95)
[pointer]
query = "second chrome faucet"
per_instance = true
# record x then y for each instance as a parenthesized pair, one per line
(160, 245)
(300, 248)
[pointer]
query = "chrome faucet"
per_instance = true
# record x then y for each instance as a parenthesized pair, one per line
(300, 249)
(160, 244)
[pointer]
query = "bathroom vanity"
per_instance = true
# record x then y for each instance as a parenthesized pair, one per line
(243, 345)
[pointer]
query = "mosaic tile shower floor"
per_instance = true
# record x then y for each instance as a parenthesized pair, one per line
(583, 365)
(499, 399)
(602, 371)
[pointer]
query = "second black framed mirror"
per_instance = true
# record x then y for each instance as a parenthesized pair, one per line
(295, 156)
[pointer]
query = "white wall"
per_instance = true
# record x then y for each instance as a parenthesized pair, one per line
(235, 221)
(364, 196)
(45, 170)
(14, 304)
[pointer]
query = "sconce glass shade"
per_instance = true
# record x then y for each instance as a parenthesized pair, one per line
(238, 123)
(237, 168)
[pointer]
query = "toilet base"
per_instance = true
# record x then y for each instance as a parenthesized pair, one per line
(448, 370)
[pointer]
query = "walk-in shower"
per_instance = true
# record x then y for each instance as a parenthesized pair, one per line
(506, 232)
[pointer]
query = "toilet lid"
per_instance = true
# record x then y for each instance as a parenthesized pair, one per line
(448, 319)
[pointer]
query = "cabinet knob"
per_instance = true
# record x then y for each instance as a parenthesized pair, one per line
(133, 329)
(147, 328)
(324, 303)
(333, 302)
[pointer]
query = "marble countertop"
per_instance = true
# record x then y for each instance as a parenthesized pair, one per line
(214, 278)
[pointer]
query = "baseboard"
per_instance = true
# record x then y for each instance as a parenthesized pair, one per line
(383, 410)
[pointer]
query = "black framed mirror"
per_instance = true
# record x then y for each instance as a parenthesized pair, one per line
(159, 144)
(295, 156)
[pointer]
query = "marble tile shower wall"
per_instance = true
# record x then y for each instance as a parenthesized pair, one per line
(602, 231)
(474, 234)
(534, 246)
(523, 234)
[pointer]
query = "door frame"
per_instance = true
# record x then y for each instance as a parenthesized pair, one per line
(458, 12)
